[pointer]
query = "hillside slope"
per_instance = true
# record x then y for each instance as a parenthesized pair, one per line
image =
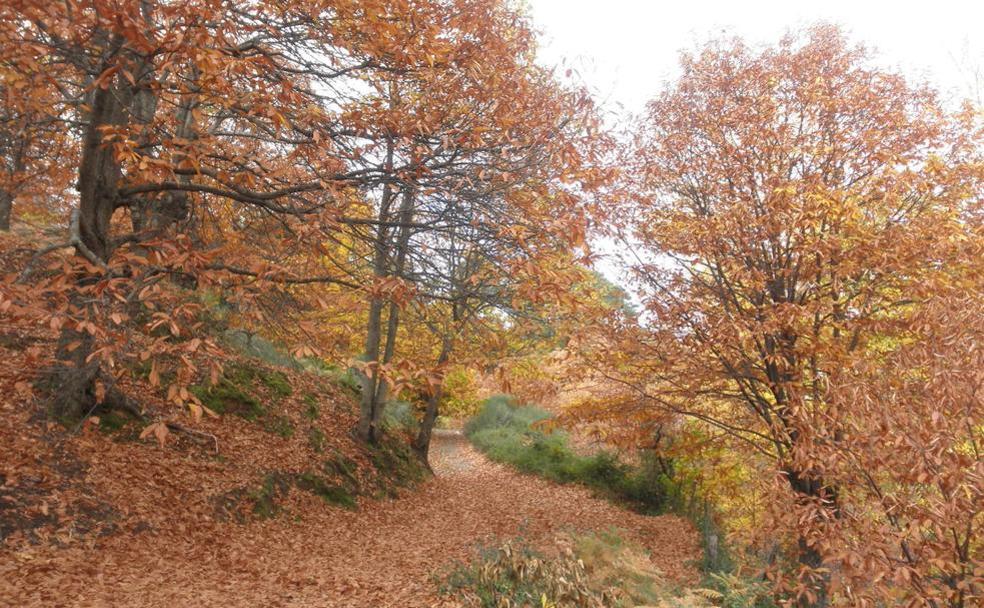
(273, 504)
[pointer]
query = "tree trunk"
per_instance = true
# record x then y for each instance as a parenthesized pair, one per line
(813, 489)
(368, 427)
(72, 378)
(421, 444)
(6, 206)
(375, 388)
(393, 316)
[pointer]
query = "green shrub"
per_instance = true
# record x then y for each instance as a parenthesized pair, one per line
(398, 415)
(500, 411)
(255, 345)
(511, 434)
(741, 592)
(348, 378)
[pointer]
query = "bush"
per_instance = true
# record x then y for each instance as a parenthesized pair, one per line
(500, 411)
(598, 569)
(511, 434)
(516, 575)
(398, 415)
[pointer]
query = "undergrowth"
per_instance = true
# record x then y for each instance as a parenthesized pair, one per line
(515, 574)
(513, 435)
(595, 570)
(236, 391)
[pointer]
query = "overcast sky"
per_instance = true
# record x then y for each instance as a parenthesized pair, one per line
(625, 49)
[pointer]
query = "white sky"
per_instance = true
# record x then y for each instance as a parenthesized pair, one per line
(625, 49)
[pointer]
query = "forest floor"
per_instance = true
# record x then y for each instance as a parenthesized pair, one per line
(387, 553)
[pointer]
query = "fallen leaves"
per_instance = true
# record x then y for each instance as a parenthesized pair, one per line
(158, 430)
(127, 525)
(385, 554)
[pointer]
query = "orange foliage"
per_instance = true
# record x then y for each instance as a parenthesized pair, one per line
(809, 259)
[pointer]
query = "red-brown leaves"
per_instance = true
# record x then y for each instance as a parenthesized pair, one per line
(158, 430)
(797, 216)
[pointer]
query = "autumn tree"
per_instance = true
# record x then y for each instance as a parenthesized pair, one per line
(221, 139)
(476, 143)
(791, 210)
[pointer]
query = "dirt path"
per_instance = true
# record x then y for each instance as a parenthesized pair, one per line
(388, 553)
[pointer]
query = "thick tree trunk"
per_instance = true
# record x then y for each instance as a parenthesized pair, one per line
(72, 378)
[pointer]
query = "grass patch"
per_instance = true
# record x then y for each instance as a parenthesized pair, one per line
(339, 465)
(113, 421)
(311, 408)
(272, 491)
(277, 382)
(265, 500)
(279, 425)
(598, 570)
(333, 494)
(621, 568)
(236, 393)
(255, 345)
(398, 416)
(348, 379)
(510, 434)
(233, 394)
(733, 591)
(316, 439)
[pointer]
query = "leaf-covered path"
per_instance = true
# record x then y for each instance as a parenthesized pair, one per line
(388, 553)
